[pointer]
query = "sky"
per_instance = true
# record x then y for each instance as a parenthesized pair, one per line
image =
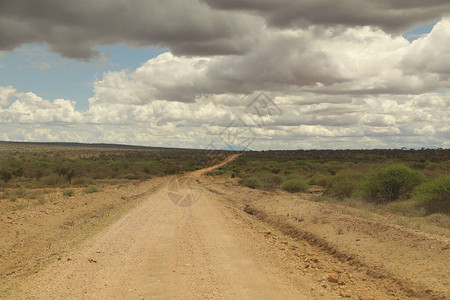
(226, 74)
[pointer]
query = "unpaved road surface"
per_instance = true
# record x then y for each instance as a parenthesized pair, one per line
(207, 250)
(163, 251)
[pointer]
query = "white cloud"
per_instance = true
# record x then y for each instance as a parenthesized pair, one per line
(431, 53)
(375, 120)
(408, 119)
(6, 93)
(428, 129)
(30, 108)
(336, 88)
(354, 61)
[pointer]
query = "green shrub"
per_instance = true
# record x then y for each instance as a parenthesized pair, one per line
(287, 172)
(320, 179)
(251, 182)
(275, 169)
(214, 173)
(130, 176)
(81, 181)
(238, 173)
(52, 180)
(343, 184)
(390, 183)
(91, 189)
(5, 175)
(434, 195)
(69, 192)
(295, 185)
(142, 176)
(271, 181)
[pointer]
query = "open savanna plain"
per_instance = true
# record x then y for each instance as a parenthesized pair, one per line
(110, 222)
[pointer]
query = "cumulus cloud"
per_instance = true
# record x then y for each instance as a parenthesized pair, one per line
(73, 28)
(390, 15)
(6, 92)
(290, 60)
(340, 86)
(356, 122)
(431, 53)
(30, 108)
(363, 61)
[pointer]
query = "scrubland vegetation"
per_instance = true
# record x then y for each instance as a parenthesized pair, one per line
(412, 183)
(405, 182)
(29, 171)
(54, 196)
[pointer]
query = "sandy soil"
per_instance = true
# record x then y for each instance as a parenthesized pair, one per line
(236, 243)
(375, 258)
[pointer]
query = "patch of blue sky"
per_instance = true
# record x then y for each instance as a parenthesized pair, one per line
(33, 68)
(442, 91)
(419, 32)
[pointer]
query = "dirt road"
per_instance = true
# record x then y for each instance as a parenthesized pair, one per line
(207, 250)
(163, 251)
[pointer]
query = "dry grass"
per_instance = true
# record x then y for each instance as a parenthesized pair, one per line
(405, 213)
(35, 230)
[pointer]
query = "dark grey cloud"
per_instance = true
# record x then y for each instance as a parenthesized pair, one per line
(73, 28)
(192, 27)
(281, 62)
(390, 15)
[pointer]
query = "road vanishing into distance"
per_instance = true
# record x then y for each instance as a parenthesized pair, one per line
(187, 240)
